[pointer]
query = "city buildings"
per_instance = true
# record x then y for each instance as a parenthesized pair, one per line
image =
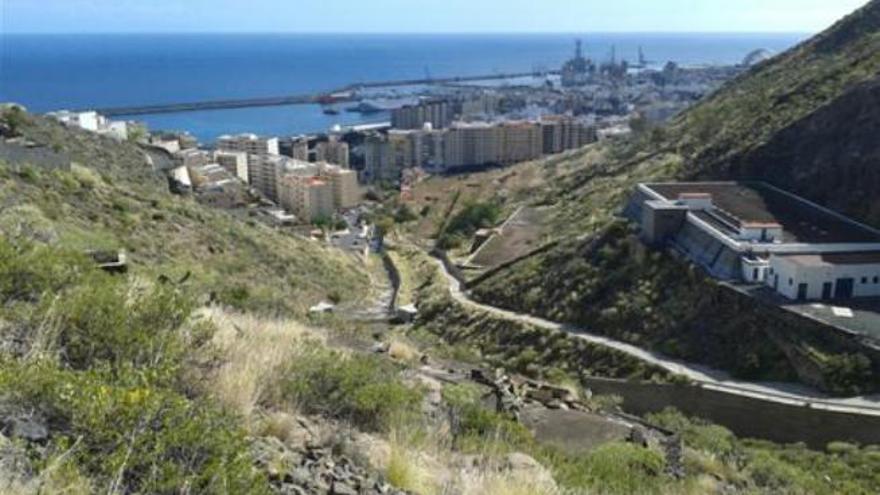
(295, 147)
(755, 233)
(308, 197)
(333, 150)
(236, 162)
(191, 157)
(343, 185)
(264, 172)
(249, 143)
(561, 133)
(438, 113)
(470, 144)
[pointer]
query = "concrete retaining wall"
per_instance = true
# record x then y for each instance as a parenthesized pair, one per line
(745, 416)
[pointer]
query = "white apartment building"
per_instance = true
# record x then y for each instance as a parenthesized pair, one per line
(236, 162)
(249, 143)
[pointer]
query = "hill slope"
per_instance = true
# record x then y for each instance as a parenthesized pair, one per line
(112, 199)
(804, 120)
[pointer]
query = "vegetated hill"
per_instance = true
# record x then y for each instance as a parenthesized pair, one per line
(112, 199)
(807, 121)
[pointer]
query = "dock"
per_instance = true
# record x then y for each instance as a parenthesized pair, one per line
(301, 99)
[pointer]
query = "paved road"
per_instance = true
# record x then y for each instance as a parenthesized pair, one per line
(702, 375)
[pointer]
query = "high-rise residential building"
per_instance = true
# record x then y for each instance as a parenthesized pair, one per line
(343, 183)
(431, 149)
(295, 147)
(377, 158)
(470, 144)
(334, 151)
(519, 142)
(438, 113)
(264, 172)
(235, 162)
(561, 133)
(482, 104)
(249, 143)
(308, 197)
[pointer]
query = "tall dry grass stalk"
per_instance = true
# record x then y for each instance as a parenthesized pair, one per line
(254, 352)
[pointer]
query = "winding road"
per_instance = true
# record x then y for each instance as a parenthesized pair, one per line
(703, 376)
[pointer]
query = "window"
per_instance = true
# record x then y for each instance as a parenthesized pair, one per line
(755, 274)
(790, 281)
(877, 280)
(864, 280)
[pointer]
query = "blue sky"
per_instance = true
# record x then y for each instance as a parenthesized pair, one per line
(428, 16)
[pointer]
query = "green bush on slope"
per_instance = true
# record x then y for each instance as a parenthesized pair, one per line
(99, 368)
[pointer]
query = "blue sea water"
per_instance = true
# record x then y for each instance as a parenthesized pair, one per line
(50, 72)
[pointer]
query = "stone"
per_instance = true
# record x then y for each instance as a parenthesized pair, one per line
(342, 489)
(638, 436)
(525, 467)
(31, 429)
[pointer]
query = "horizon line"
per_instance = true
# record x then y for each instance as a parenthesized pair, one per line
(402, 33)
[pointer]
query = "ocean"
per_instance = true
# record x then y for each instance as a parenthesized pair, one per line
(51, 72)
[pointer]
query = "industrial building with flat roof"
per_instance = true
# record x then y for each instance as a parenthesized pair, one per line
(755, 233)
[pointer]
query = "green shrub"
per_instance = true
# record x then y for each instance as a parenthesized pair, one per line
(366, 390)
(612, 468)
(697, 433)
(28, 271)
(108, 321)
(122, 432)
(465, 223)
(476, 424)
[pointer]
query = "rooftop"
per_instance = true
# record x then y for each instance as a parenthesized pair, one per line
(750, 204)
(831, 259)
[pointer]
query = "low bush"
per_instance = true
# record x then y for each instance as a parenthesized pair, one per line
(366, 390)
(612, 468)
(474, 424)
(110, 322)
(465, 223)
(127, 436)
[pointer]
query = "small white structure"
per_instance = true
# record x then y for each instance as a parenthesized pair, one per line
(92, 121)
(755, 269)
(825, 276)
(322, 308)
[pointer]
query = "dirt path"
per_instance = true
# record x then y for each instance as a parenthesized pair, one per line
(704, 376)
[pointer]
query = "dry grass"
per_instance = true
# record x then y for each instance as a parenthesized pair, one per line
(60, 476)
(253, 351)
(402, 351)
(412, 469)
(503, 483)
